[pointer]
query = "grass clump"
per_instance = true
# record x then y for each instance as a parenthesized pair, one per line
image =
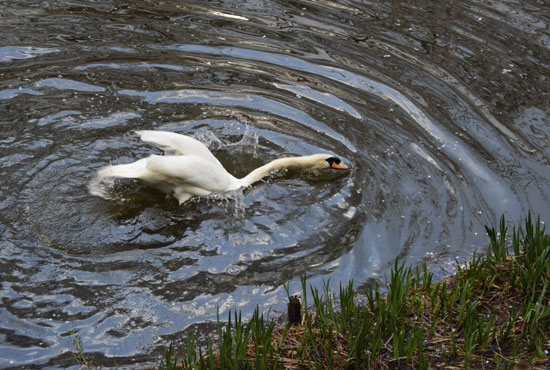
(493, 313)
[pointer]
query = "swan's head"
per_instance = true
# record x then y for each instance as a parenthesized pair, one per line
(326, 161)
(335, 162)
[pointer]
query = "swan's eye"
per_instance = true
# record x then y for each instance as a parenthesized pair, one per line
(334, 162)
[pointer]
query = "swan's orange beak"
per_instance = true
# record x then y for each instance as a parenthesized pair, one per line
(339, 166)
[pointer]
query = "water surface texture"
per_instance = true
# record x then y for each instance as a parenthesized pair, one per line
(441, 108)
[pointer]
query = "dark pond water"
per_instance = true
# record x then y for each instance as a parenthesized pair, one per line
(442, 109)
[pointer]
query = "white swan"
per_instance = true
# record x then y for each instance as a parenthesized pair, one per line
(194, 171)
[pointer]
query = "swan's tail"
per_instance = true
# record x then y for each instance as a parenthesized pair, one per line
(103, 181)
(133, 170)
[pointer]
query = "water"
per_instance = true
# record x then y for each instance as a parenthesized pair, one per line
(440, 108)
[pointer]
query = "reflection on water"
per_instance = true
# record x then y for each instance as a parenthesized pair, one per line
(440, 108)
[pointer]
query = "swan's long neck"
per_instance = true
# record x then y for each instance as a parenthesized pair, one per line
(277, 164)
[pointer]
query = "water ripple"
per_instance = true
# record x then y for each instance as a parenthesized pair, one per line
(441, 110)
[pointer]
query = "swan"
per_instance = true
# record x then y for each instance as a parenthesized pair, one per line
(192, 170)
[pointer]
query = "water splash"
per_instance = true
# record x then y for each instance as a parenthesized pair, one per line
(208, 138)
(248, 145)
(230, 204)
(100, 187)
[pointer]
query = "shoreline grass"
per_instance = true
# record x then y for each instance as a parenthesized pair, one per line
(493, 313)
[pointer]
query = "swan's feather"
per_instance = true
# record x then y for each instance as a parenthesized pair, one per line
(190, 170)
(180, 144)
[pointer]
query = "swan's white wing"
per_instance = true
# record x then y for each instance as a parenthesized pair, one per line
(191, 172)
(181, 144)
